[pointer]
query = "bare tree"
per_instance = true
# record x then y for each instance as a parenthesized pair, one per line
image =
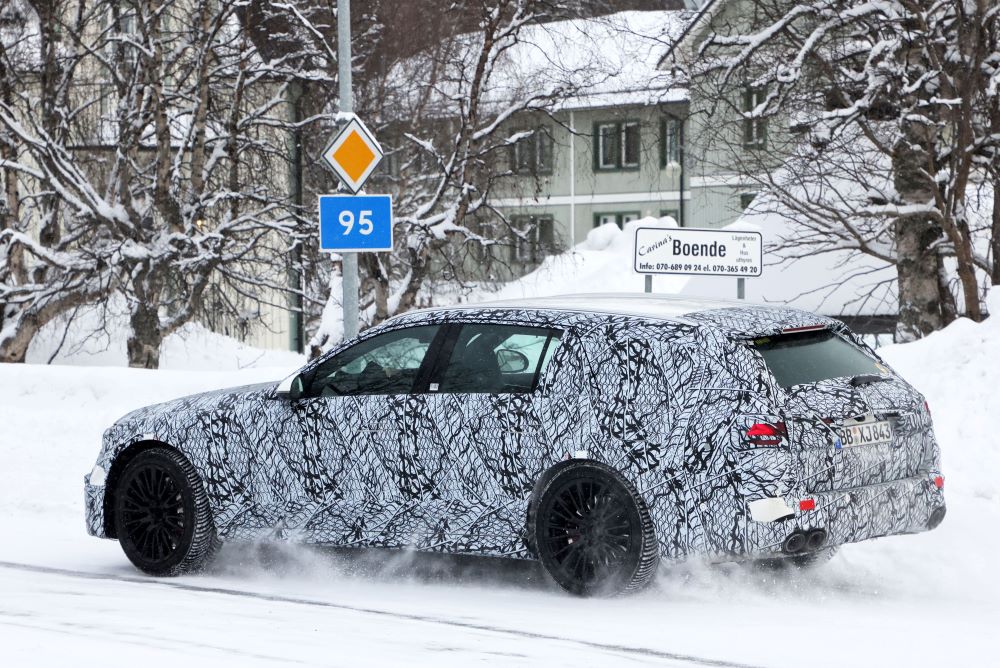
(51, 258)
(887, 107)
(161, 156)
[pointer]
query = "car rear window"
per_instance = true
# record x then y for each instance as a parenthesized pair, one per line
(810, 357)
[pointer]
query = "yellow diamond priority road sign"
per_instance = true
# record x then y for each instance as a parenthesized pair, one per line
(353, 154)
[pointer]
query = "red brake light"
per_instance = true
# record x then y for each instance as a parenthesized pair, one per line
(939, 481)
(807, 504)
(763, 433)
(927, 407)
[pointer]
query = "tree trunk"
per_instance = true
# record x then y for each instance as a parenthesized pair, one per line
(995, 233)
(145, 337)
(920, 309)
(949, 309)
(14, 349)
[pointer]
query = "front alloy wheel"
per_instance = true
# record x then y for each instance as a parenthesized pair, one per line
(162, 516)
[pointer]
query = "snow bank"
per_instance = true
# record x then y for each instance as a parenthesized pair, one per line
(601, 263)
(97, 337)
(841, 283)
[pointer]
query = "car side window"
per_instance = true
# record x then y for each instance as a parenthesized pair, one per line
(497, 358)
(385, 364)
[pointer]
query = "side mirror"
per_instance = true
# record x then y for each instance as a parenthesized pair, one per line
(291, 388)
(512, 361)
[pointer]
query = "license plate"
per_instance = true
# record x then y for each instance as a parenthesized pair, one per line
(867, 433)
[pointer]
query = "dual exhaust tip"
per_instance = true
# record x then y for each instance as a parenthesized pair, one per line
(804, 541)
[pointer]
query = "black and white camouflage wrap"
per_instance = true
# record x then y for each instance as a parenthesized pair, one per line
(665, 401)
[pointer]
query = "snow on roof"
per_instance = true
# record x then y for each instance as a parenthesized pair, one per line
(582, 63)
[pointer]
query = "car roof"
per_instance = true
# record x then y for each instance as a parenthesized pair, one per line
(735, 316)
(669, 307)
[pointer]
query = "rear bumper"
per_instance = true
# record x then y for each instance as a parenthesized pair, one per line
(853, 515)
(93, 504)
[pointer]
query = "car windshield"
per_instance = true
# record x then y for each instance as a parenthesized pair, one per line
(795, 359)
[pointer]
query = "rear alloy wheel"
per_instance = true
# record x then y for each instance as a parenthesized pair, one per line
(592, 530)
(162, 515)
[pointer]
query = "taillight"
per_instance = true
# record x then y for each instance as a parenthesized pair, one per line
(766, 434)
(927, 407)
(807, 504)
(939, 481)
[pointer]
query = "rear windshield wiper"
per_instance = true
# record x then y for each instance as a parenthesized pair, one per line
(867, 379)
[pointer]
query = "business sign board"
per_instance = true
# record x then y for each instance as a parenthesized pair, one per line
(700, 252)
(355, 223)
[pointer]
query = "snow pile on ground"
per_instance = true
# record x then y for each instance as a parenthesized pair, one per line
(958, 370)
(98, 338)
(601, 263)
(841, 283)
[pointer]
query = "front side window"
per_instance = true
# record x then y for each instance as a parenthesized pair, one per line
(497, 359)
(384, 364)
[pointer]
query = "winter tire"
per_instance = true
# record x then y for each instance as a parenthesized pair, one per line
(591, 530)
(162, 515)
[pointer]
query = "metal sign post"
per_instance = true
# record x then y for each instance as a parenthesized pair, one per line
(698, 252)
(352, 224)
(349, 263)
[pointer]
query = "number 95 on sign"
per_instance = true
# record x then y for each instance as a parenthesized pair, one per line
(355, 223)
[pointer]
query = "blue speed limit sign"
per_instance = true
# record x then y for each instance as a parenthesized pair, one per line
(355, 223)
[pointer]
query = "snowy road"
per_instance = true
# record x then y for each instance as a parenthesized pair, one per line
(295, 606)
(136, 614)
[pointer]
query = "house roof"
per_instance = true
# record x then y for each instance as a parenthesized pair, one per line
(610, 60)
(703, 15)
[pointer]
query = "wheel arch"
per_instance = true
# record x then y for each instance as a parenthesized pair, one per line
(118, 465)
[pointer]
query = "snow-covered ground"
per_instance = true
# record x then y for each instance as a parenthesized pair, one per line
(927, 600)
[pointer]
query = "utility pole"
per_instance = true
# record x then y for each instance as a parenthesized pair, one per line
(349, 262)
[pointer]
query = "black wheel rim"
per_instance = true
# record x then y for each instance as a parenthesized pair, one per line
(153, 513)
(589, 533)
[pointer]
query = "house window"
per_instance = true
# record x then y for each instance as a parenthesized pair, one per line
(533, 154)
(535, 238)
(673, 213)
(670, 135)
(617, 145)
(619, 219)
(754, 128)
(607, 146)
(746, 199)
(630, 140)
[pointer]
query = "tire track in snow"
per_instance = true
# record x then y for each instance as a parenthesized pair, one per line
(276, 598)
